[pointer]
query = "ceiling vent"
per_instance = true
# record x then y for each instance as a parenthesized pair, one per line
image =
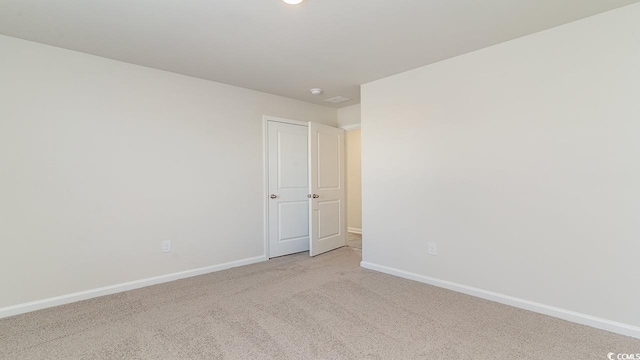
(337, 99)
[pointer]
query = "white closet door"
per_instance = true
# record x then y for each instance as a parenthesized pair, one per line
(288, 188)
(327, 206)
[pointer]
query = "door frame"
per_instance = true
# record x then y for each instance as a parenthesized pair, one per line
(265, 171)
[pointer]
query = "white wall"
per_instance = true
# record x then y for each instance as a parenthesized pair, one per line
(521, 161)
(349, 115)
(100, 161)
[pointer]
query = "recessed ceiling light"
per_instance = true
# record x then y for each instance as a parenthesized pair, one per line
(293, 2)
(316, 91)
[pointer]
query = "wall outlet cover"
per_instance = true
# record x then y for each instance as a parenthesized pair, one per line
(166, 246)
(433, 249)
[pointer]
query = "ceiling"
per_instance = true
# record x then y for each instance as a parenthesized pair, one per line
(269, 46)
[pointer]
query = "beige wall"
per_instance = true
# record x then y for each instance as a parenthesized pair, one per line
(354, 181)
(521, 162)
(349, 118)
(349, 115)
(100, 161)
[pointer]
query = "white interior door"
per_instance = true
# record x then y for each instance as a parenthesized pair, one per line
(326, 157)
(288, 188)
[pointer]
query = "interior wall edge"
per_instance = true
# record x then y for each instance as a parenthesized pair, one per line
(351, 127)
(568, 315)
(122, 287)
(355, 230)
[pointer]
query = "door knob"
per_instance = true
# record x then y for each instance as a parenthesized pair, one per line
(273, 196)
(315, 196)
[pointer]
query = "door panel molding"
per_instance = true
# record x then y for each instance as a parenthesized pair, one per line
(329, 227)
(329, 171)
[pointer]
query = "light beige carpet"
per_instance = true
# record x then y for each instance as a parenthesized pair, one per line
(297, 307)
(354, 240)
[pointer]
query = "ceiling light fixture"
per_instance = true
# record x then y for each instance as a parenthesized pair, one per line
(316, 91)
(293, 2)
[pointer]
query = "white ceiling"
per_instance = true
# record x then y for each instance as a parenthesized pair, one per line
(286, 50)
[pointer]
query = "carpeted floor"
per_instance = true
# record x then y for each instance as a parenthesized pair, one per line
(354, 240)
(296, 307)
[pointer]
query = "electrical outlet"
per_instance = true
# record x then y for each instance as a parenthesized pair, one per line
(166, 246)
(433, 249)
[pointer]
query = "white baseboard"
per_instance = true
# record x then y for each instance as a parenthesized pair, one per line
(355, 230)
(112, 289)
(599, 323)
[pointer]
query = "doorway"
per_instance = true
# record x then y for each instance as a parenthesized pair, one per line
(354, 186)
(305, 188)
